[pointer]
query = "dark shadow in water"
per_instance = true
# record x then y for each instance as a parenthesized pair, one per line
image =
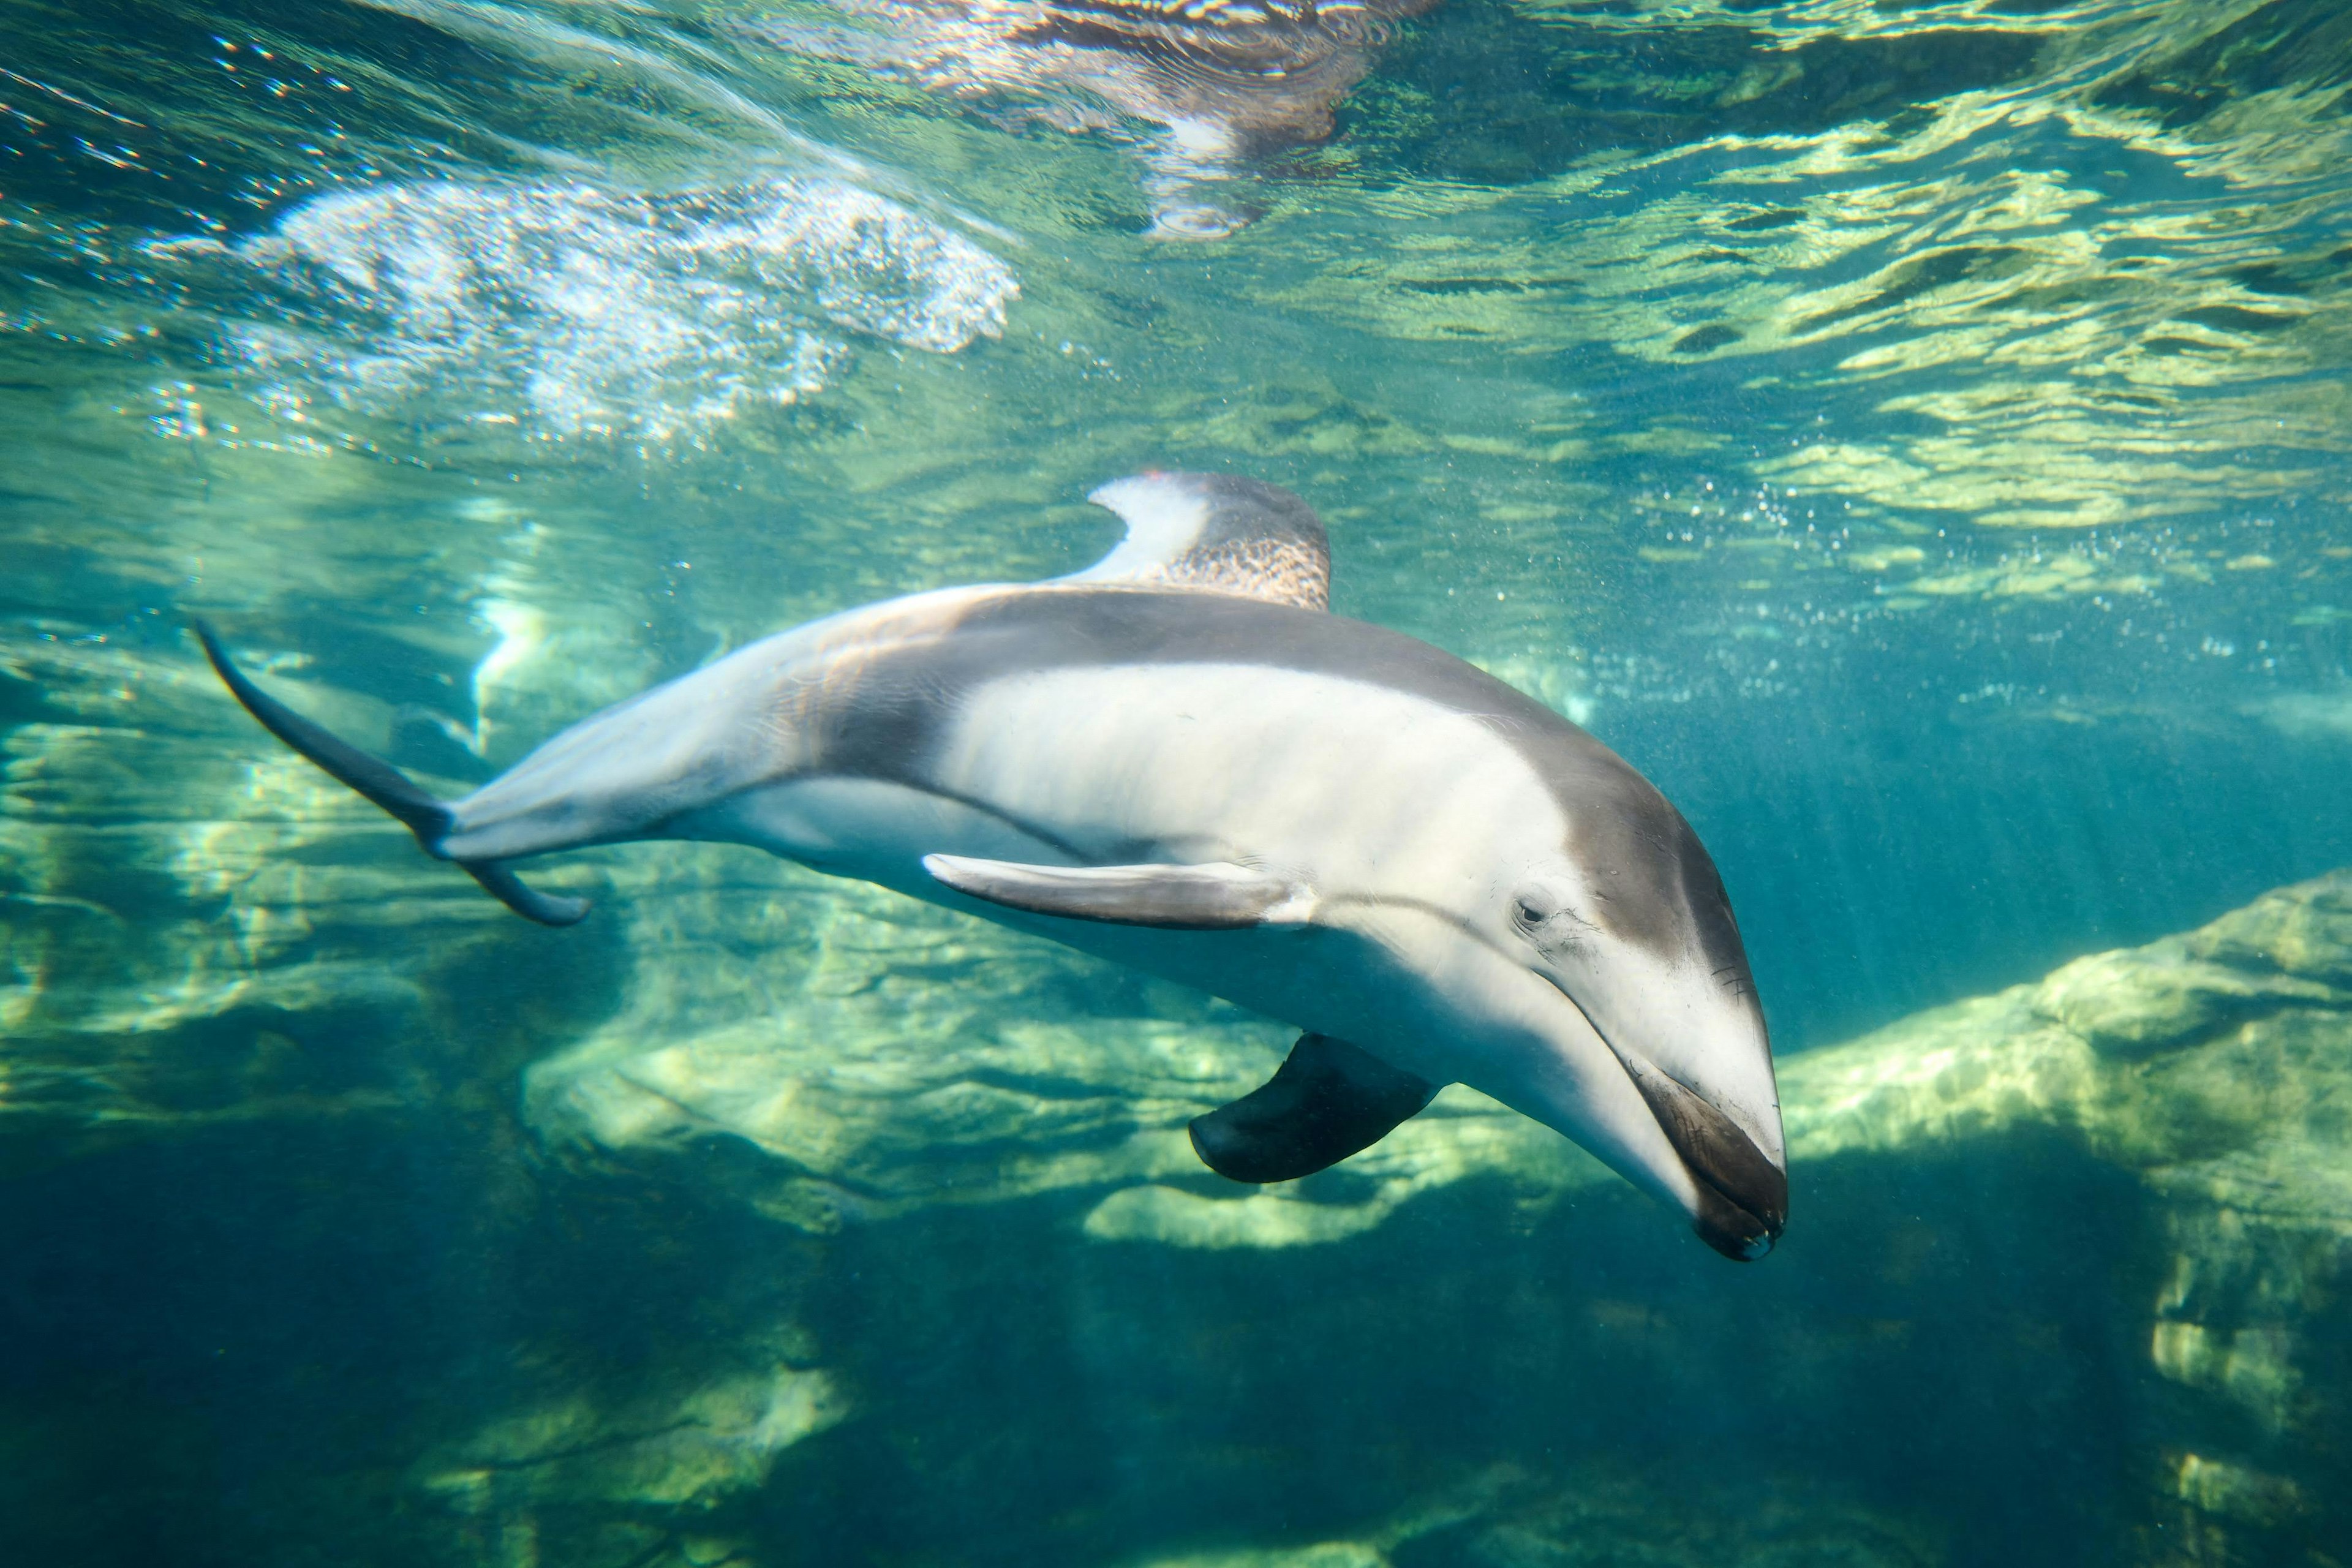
(2304, 43)
(237, 1344)
(1479, 91)
(230, 1343)
(1917, 1352)
(167, 119)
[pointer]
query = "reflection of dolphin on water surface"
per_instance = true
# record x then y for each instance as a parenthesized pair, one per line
(1225, 80)
(1178, 759)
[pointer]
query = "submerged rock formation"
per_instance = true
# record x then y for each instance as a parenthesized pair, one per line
(773, 1220)
(2216, 1067)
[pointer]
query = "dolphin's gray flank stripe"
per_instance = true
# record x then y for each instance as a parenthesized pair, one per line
(904, 702)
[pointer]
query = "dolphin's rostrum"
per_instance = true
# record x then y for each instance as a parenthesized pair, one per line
(1178, 759)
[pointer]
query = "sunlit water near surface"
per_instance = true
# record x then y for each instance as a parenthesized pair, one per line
(1917, 436)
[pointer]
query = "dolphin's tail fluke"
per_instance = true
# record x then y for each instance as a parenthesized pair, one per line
(547, 908)
(386, 785)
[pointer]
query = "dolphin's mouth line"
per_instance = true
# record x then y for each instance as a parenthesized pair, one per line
(1749, 1193)
(1743, 1195)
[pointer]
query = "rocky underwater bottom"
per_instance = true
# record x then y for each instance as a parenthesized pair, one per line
(772, 1221)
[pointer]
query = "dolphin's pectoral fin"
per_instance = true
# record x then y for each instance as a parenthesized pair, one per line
(1327, 1101)
(1216, 896)
(385, 786)
(1219, 533)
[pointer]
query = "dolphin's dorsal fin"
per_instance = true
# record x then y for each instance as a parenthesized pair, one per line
(1329, 1101)
(1214, 896)
(1216, 532)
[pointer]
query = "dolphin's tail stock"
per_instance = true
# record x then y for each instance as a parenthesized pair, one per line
(386, 785)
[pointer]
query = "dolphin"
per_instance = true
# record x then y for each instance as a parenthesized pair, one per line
(1179, 759)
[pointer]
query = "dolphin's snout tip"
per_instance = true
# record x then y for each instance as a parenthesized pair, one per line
(1738, 1195)
(1743, 1203)
(1741, 1195)
(1731, 1230)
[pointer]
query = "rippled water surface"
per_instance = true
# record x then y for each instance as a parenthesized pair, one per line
(1917, 435)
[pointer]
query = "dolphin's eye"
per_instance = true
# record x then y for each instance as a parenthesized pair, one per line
(1532, 907)
(1550, 922)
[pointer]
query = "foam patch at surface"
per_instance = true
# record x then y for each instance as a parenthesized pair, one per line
(576, 310)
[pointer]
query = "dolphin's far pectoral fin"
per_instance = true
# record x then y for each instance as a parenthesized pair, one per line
(1216, 896)
(1327, 1101)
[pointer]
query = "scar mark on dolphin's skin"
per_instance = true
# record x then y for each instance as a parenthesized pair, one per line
(1503, 724)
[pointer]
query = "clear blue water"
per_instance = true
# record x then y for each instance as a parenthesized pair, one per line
(1914, 434)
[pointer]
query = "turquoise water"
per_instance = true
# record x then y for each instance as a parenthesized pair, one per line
(1915, 435)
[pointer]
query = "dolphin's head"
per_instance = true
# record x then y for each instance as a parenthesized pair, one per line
(1636, 1027)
